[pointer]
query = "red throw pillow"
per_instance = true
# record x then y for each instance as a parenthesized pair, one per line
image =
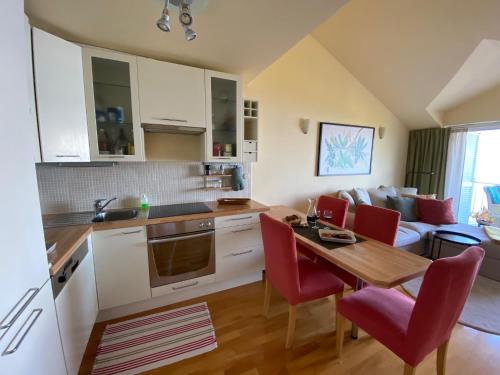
(434, 211)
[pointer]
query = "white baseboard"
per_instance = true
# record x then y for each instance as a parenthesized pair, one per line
(117, 312)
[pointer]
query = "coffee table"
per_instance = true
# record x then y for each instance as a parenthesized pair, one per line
(454, 238)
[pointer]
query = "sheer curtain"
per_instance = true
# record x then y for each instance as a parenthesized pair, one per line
(455, 167)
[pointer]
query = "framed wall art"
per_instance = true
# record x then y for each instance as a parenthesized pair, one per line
(344, 149)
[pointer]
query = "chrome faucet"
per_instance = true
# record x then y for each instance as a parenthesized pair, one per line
(99, 206)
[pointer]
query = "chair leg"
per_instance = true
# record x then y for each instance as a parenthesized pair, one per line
(267, 298)
(340, 334)
(292, 314)
(441, 357)
(409, 370)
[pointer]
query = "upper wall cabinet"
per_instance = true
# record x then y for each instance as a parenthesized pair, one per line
(171, 94)
(31, 92)
(224, 117)
(111, 92)
(60, 99)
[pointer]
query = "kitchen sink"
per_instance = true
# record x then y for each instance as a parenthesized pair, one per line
(115, 215)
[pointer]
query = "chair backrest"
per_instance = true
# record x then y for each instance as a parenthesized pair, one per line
(492, 194)
(338, 207)
(280, 255)
(378, 223)
(445, 288)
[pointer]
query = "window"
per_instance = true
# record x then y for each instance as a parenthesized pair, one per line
(481, 168)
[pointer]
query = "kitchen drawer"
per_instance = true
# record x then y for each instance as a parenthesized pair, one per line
(238, 238)
(235, 220)
(182, 285)
(249, 146)
(249, 157)
(239, 263)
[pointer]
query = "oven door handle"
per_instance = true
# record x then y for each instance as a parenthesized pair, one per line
(180, 238)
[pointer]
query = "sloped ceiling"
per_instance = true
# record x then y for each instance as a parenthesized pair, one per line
(406, 51)
(236, 36)
(479, 74)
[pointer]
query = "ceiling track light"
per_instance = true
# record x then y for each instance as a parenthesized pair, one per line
(164, 22)
(185, 18)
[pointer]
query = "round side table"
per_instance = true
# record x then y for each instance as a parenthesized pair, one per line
(454, 238)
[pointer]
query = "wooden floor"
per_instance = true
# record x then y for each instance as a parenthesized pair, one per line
(251, 344)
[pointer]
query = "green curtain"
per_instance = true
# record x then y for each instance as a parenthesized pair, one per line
(426, 160)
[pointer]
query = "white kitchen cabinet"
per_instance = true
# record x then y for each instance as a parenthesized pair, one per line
(224, 108)
(239, 248)
(171, 94)
(39, 352)
(121, 266)
(77, 310)
(112, 96)
(26, 323)
(31, 93)
(60, 99)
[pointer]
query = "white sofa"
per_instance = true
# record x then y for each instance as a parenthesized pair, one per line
(416, 237)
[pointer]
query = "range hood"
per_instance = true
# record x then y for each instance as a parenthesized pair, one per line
(173, 129)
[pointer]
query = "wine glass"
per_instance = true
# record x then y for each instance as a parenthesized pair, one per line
(327, 215)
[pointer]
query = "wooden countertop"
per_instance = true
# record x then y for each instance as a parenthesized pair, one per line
(69, 238)
(372, 261)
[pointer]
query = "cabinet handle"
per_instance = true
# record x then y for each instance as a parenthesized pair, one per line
(242, 230)
(240, 218)
(170, 119)
(185, 286)
(242, 253)
(36, 313)
(3, 323)
(115, 156)
(67, 156)
(181, 238)
(133, 231)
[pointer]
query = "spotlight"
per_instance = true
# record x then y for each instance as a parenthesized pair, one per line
(164, 22)
(190, 34)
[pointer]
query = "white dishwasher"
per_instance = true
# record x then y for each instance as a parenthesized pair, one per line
(75, 296)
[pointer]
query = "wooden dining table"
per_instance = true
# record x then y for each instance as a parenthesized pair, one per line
(370, 261)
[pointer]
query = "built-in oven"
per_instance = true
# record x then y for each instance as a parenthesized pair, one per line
(180, 251)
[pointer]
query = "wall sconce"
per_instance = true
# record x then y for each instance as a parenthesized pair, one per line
(304, 125)
(381, 132)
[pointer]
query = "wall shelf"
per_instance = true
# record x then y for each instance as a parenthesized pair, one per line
(250, 130)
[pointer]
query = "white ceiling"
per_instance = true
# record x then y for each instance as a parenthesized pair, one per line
(406, 51)
(236, 36)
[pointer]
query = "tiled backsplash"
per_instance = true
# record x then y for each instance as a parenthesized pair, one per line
(70, 189)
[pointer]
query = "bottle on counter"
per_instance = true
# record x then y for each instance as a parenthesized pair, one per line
(144, 202)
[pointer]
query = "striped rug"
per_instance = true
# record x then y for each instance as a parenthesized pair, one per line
(156, 340)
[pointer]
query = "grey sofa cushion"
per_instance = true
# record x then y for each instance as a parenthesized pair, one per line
(361, 196)
(345, 195)
(406, 206)
(425, 230)
(406, 237)
(407, 190)
(378, 196)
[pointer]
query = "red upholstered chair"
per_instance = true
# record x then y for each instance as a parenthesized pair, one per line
(413, 329)
(296, 278)
(374, 222)
(338, 207)
(378, 223)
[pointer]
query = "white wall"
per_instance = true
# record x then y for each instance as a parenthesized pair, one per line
(309, 82)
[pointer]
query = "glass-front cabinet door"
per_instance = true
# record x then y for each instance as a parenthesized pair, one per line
(224, 117)
(112, 106)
